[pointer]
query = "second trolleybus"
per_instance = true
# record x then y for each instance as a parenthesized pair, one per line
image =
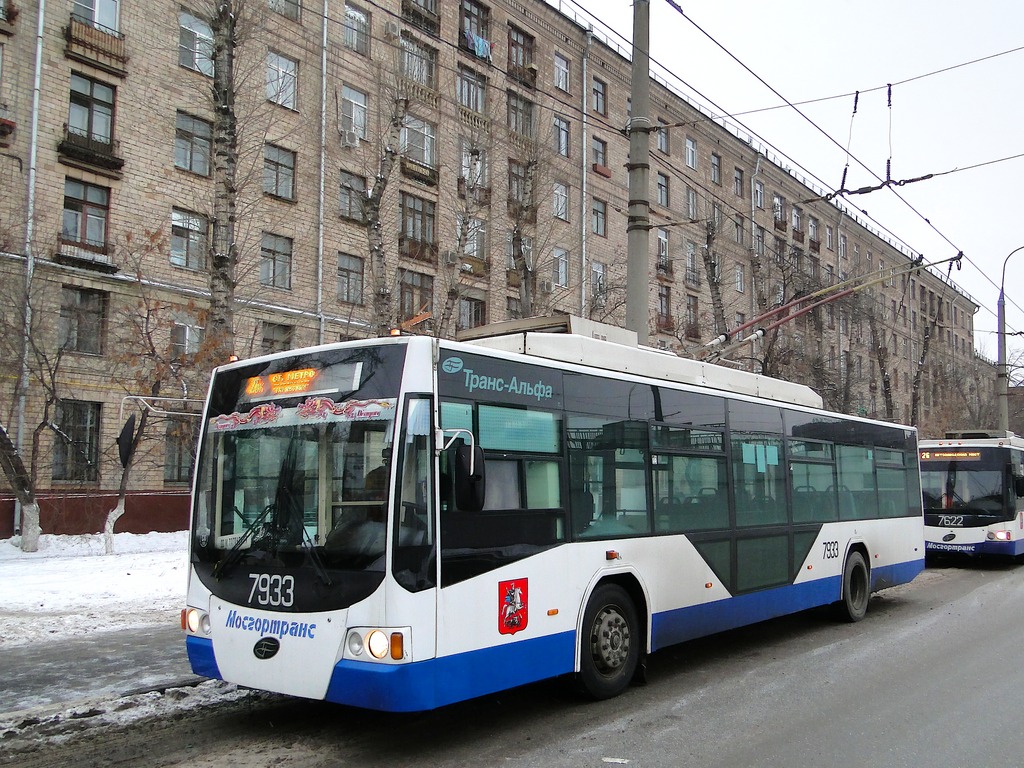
(973, 484)
(402, 523)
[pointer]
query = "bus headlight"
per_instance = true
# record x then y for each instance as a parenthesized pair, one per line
(1002, 536)
(377, 643)
(195, 621)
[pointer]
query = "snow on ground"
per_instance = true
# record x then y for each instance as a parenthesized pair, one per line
(70, 587)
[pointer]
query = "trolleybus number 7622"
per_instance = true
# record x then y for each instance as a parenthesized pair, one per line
(951, 521)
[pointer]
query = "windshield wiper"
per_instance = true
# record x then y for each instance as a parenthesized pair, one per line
(234, 554)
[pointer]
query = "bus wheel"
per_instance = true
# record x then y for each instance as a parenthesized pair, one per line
(610, 646)
(856, 589)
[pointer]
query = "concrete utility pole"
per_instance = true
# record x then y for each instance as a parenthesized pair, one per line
(1002, 375)
(638, 226)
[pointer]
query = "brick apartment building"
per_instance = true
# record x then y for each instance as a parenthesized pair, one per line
(504, 195)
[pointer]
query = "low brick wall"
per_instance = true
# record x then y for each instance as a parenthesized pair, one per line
(76, 513)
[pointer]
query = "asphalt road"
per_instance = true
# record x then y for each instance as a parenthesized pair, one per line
(100, 665)
(929, 678)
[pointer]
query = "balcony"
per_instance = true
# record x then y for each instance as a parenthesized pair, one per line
(477, 194)
(780, 225)
(693, 277)
(74, 253)
(666, 323)
(96, 45)
(473, 266)
(90, 153)
(8, 13)
(522, 213)
(7, 126)
(419, 15)
(527, 75)
(413, 169)
(474, 120)
(692, 331)
(602, 170)
(664, 266)
(411, 89)
(417, 249)
(798, 235)
(815, 245)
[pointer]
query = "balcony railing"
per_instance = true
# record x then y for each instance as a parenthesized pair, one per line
(78, 253)
(414, 169)
(96, 45)
(417, 249)
(91, 150)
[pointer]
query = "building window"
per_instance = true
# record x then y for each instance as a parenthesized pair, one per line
(599, 152)
(186, 340)
(519, 191)
(287, 8)
(192, 142)
(599, 283)
(472, 90)
(599, 211)
(189, 239)
(357, 30)
(560, 267)
(759, 240)
(561, 201)
(471, 234)
(475, 25)
(828, 238)
(561, 72)
(418, 141)
(91, 112)
(525, 255)
(692, 315)
(741, 278)
(520, 55)
(353, 196)
(419, 63)
(76, 442)
(100, 13)
(86, 210)
(663, 260)
(83, 315)
(350, 279)
(179, 450)
(276, 261)
(353, 111)
(691, 153)
(472, 312)
(663, 137)
(561, 131)
(779, 208)
(417, 225)
(663, 190)
(416, 294)
(282, 80)
(759, 195)
(716, 165)
(473, 167)
(797, 218)
(737, 181)
(664, 306)
(278, 172)
(738, 227)
(691, 203)
(277, 337)
(812, 228)
(598, 97)
(195, 44)
(842, 246)
(520, 114)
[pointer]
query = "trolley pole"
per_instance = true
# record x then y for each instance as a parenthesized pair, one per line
(638, 226)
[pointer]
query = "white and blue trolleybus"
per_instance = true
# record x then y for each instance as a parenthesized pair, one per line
(405, 522)
(973, 485)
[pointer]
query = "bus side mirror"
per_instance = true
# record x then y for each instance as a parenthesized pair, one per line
(469, 480)
(1018, 485)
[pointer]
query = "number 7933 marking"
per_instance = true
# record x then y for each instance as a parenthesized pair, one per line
(272, 589)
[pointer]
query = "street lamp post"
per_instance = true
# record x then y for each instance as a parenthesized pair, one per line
(1001, 372)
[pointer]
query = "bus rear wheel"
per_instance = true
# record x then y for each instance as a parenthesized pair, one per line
(856, 589)
(610, 646)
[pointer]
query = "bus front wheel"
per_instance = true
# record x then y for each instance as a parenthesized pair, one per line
(610, 645)
(856, 589)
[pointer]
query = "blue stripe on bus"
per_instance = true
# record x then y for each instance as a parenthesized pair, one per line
(681, 624)
(201, 656)
(434, 683)
(437, 682)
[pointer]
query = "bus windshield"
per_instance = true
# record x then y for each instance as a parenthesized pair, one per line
(296, 463)
(971, 482)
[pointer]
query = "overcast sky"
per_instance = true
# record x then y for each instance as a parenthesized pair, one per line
(939, 121)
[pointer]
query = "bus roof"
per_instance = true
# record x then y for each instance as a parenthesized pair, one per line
(976, 438)
(571, 339)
